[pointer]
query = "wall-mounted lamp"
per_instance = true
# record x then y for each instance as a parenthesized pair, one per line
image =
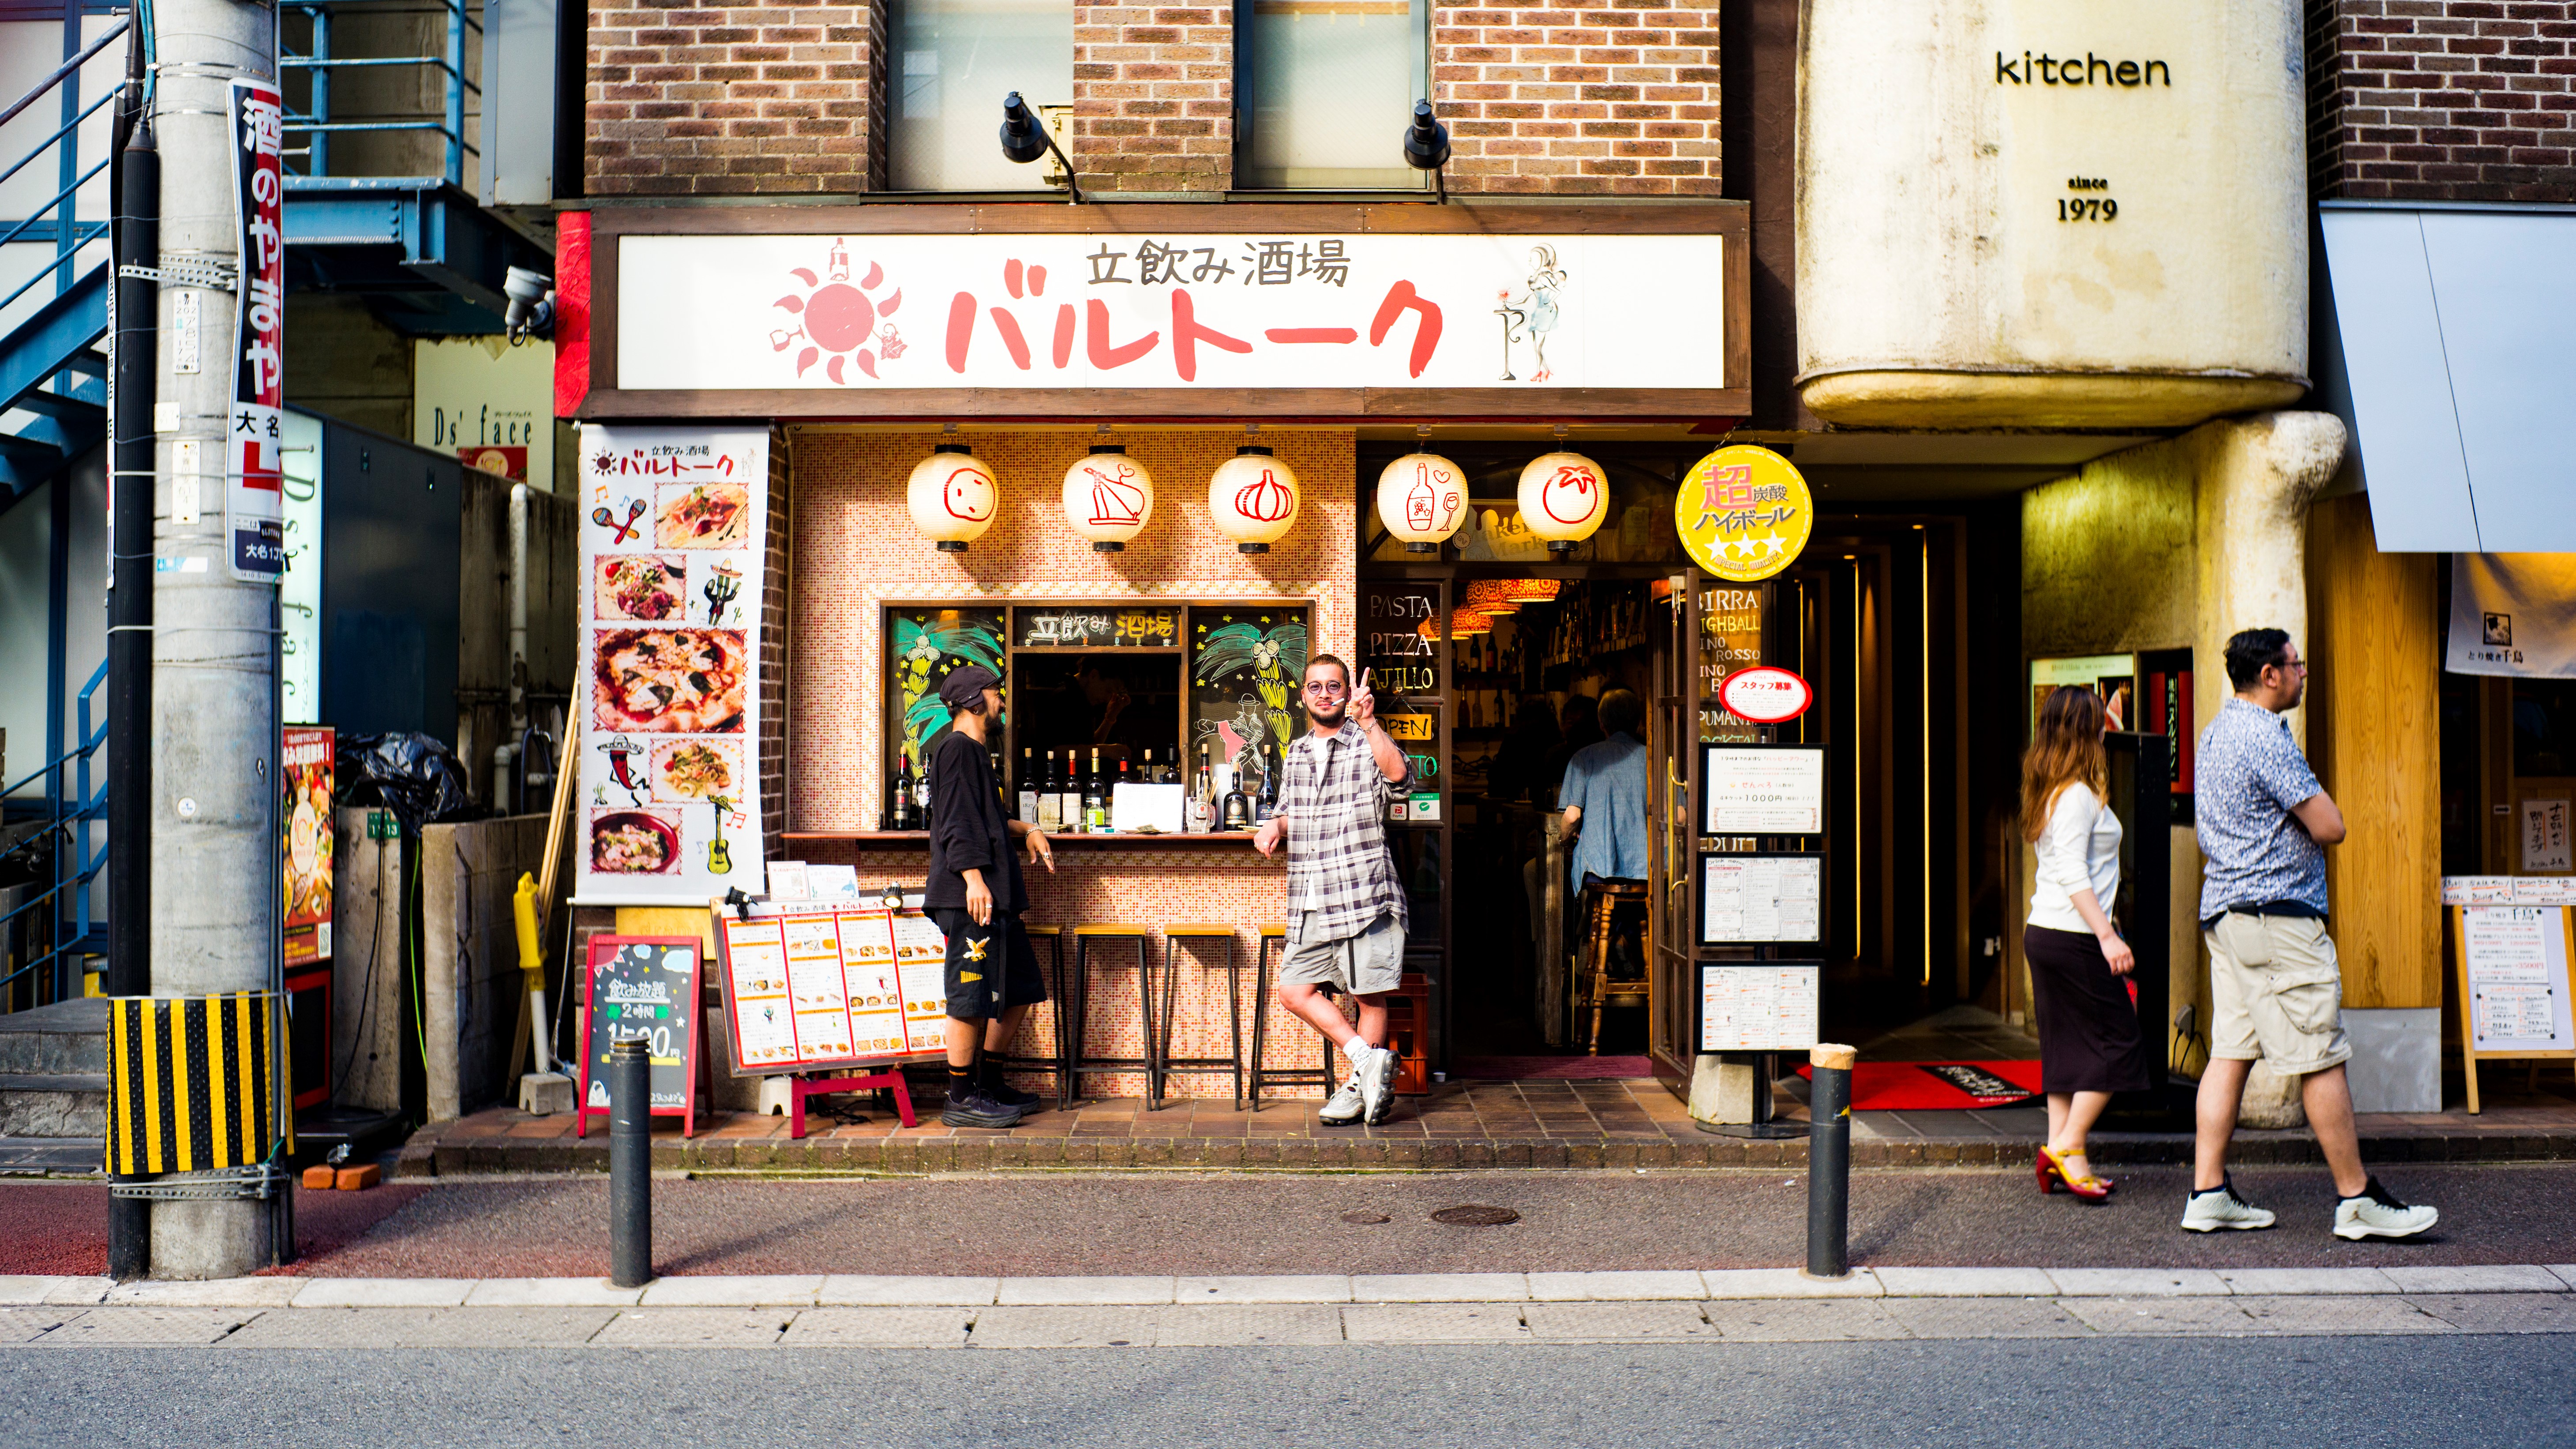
(1025, 139)
(1426, 146)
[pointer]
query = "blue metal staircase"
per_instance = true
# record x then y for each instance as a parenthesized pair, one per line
(53, 383)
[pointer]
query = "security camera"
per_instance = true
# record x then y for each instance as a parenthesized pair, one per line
(532, 305)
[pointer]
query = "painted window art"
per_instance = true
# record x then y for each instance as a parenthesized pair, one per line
(922, 645)
(1245, 665)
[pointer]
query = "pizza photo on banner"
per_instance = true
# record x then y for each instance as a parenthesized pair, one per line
(672, 520)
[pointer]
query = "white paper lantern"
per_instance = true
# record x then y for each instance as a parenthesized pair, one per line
(952, 497)
(1254, 499)
(1108, 497)
(1564, 497)
(1422, 499)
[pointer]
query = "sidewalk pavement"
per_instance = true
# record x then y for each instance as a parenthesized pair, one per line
(852, 1311)
(1471, 1125)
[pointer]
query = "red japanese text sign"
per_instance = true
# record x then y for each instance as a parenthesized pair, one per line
(1765, 695)
(254, 496)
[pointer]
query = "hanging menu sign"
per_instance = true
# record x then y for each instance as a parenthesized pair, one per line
(1096, 627)
(1761, 898)
(1763, 789)
(1764, 1007)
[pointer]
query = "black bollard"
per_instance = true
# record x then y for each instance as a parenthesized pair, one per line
(630, 1164)
(1829, 1162)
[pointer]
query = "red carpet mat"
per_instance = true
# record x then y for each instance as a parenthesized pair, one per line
(1524, 1069)
(1940, 1086)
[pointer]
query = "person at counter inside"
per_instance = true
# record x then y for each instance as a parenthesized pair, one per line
(993, 976)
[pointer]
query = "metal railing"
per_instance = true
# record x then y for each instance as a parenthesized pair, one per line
(75, 863)
(318, 64)
(66, 230)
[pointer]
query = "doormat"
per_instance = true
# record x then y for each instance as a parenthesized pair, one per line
(1940, 1086)
(1527, 1069)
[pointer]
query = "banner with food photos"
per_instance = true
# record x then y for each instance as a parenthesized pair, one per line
(672, 524)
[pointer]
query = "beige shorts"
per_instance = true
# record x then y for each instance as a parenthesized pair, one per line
(1365, 964)
(2275, 992)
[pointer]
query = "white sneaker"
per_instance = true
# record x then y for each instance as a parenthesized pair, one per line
(2378, 1214)
(1347, 1105)
(1376, 1078)
(2220, 1207)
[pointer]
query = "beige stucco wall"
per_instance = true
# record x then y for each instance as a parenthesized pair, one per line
(1937, 284)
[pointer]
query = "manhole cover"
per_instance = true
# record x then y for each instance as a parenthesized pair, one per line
(1474, 1216)
(1363, 1219)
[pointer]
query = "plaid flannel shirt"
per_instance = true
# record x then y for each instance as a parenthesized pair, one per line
(1334, 798)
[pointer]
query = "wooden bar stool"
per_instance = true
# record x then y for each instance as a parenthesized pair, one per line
(1079, 1063)
(1058, 1063)
(1277, 934)
(1232, 1064)
(1604, 899)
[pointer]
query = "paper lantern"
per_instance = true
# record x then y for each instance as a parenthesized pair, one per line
(1253, 498)
(1108, 496)
(952, 497)
(1422, 499)
(1564, 497)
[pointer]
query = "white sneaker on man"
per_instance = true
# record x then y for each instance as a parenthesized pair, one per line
(1347, 1106)
(2220, 1207)
(2378, 1214)
(1376, 1078)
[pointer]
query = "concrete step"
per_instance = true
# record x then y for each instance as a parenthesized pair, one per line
(61, 1104)
(68, 1036)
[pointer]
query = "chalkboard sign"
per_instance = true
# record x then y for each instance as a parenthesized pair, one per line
(643, 986)
(1247, 662)
(1400, 639)
(1096, 626)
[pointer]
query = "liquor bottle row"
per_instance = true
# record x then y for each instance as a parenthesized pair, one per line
(1063, 794)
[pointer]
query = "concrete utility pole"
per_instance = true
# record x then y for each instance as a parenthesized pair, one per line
(215, 882)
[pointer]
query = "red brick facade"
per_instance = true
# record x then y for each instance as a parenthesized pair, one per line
(1615, 97)
(2443, 100)
(735, 99)
(1153, 97)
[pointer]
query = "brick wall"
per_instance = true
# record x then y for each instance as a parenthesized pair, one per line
(2443, 100)
(735, 99)
(1615, 97)
(777, 597)
(1153, 90)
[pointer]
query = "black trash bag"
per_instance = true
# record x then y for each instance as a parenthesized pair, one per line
(412, 775)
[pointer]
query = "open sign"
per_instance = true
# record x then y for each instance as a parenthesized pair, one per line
(1765, 695)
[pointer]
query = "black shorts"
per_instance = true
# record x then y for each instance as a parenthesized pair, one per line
(991, 967)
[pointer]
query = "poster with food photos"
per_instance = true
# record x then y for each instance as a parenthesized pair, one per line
(671, 526)
(808, 989)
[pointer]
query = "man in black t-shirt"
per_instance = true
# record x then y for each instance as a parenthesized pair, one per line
(976, 896)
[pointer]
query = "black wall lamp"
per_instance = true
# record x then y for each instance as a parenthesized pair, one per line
(1025, 139)
(1426, 146)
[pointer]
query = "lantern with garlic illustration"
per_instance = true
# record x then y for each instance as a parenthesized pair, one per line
(1108, 497)
(1422, 499)
(952, 497)
(1253, 498)
(1564, 497)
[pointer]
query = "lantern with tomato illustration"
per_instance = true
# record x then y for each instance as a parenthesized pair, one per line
(952, 497)
(1564, 497)
(1422, 499)
(1253, 498)
(1108, 496)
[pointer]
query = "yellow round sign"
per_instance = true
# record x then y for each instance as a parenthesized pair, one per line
(1743, 513)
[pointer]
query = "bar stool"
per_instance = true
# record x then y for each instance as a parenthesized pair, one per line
(1320, 1074)
(1232, 1064)
(1606, 897)
(1078, 1063)
(1058, 1063)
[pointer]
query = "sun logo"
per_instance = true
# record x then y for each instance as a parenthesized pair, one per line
(840, 319)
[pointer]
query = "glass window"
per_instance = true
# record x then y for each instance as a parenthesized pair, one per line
(954, 60)
(1329, 87)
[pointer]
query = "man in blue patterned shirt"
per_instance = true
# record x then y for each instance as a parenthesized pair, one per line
(2275, 990)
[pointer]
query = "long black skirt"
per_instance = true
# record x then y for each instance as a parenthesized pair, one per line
(2089, 1038)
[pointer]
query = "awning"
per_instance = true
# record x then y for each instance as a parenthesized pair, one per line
(2444, 339)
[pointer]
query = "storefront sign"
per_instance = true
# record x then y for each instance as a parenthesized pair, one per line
(874, 313)
(488, 403)
(1743, 513)
(1400, 656)
(1730, 641)
(672, 524)
(1097, 628)
(254, 497)
(1763, 789)
(1763, 1008)
(305, 764)
(643, 988)
(1765, 695)
(2513, 613)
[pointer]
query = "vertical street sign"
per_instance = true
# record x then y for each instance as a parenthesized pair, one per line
(254, 499)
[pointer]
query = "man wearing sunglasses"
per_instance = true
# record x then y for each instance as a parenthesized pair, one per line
(1346, 915)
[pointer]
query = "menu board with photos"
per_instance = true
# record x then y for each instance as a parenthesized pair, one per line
(1761, 898)
(813, 987)
(672, 521)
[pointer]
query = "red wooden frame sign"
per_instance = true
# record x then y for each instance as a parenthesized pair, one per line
(684, 1012)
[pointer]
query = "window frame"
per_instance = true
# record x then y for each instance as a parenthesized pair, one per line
(1246, 128)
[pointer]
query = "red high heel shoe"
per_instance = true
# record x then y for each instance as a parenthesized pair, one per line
(2053, 1175)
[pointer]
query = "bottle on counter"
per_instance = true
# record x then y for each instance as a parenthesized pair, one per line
(1095, 799)
(1049, 811)
(1238, 808)
(1109, 821)
(1266, 804)
(1202, 805)
(1028, 792)
(1068, 795)
(899, 814)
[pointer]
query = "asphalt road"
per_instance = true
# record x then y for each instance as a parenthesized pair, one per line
(2350, 1393)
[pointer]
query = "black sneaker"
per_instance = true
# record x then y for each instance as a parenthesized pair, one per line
(1009, 1096)
(971, 1108)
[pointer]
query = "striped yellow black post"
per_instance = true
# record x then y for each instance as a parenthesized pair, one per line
(193, 1082)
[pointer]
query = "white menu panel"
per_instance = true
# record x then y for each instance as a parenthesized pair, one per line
(1762, 790)
(1758, 1006)
(2518, 988)
(1761, 898)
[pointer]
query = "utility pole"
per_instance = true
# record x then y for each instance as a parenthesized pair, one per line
(215, 876)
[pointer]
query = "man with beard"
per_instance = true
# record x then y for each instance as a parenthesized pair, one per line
(1346, 912)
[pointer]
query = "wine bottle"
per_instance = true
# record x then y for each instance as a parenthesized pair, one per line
(1095, 799)
(1238, 808)
(1109, 816)
(1028, 792)
(902, 814)
(1050, 806)
(1268, 805)
(1202, 810)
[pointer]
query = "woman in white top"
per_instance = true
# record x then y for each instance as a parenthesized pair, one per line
(2090, 1044)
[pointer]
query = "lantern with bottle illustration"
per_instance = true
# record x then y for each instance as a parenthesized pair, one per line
(1253, 498)
(1422, 499)
(1564, 497)
(952, 497)
(1108, 497)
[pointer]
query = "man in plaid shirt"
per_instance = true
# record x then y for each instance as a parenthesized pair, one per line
(1346, 916)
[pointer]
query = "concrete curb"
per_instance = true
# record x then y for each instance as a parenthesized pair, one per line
(1678, 1285)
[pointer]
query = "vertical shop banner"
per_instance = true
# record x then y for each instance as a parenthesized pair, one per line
(254, 497)
(309, 845)
(672, 525)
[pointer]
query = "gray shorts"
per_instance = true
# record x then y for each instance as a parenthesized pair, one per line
(1362, 965)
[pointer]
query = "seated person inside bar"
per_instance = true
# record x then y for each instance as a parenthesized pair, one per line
(993, 975)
